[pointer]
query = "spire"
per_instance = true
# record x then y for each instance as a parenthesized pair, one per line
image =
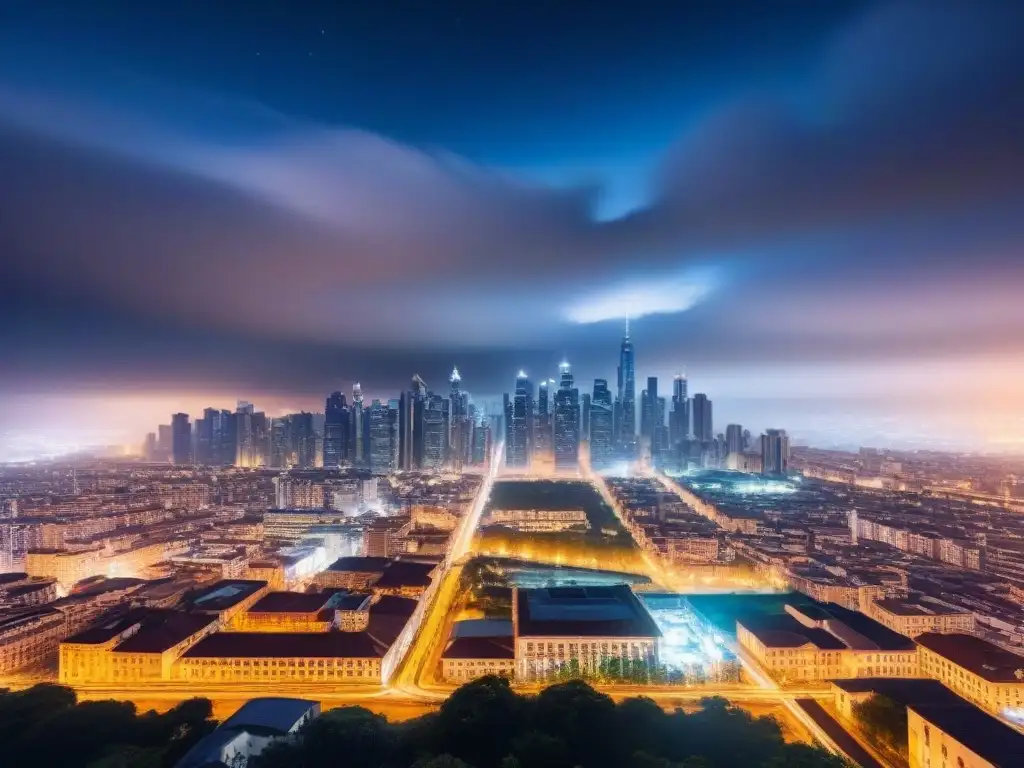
(455, 375)
(626, 337)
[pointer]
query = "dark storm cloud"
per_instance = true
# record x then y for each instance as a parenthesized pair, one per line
(840, 220)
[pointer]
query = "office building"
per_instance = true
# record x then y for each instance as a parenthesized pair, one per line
(413, 404)
(337, 423)
(435, 422)
(649, 408)
(775, 452)
(585, 416)
(461, 432)
(181, 437)
(303, 438)
(703, 430)
(734, 438)
(602, 441)
(543, 430)
(679, 416)
(517, 449)
(358, 433)
(567, 422)
(626, 398)
(381, 454)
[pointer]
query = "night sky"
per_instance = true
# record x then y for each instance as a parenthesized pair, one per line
(815, 209)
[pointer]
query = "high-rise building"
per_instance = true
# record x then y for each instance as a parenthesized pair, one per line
(358, 430)
(733, 438)
(543, 428)
(381, 454)
(260, 439)
(337, 424)
(303, 438)
(165, 442)
(702, 425)
(395, 420)
(181, 439)
(585, 416)
(204, 429)
(649, 407)
(775, 452)
(281, 456)
(506, 416)
(481, 444)
(461, 437)
(517, 449)
(436, 417)
(626, 398)
(567, 421)
(411, 425)
(679, 418)
(602, 436)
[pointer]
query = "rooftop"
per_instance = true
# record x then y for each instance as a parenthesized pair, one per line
(280, 714)
(360, 564)
(783, 631)
(983, 734)
(404, 574)
(612, 611)
(225, 594)
(480, 648)
(162, 630)
(291, 602)
(988, 661)
(109, 627)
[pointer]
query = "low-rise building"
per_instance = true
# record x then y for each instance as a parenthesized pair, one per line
(538, 520)
(964, 738)
(305, 612)
(982, 673)
(467, 658)
(228, 598)
(249, 731)
(558, 626)
(141, 645)
(818, 643)
(29, 637)
(913, 619)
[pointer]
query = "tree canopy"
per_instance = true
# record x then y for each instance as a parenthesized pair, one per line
(46, 725)
(485, 724)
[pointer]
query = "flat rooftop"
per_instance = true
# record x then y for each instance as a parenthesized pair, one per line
(291, 602)
(988, 661)
(611, 611)
(109, 626)
(480, 648)
(225, 594)
(360, 564)
(786, 632)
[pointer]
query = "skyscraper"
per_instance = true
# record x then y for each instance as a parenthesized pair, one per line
(602, 442)
(679, 418)
(435, 432)
(381, 455)
(336, 431)
(775, 452)
(733, 438)
(303, 438)
(517, 449)
(461, 437)
(543, 429)
(626, 398)
(411, 425)
(585, 416)
(702, 425)
(567, 421)
(181, 439)
(358, 430)
(649, 407)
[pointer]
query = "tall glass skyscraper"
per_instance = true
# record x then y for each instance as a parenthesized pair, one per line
(626, 398)
(336, 431)
(520, 431)
(567, 422)
(703, 430)
(602, 442)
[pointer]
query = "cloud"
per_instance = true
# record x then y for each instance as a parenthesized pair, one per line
(867, 211)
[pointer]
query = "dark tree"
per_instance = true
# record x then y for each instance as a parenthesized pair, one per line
(356, 735)
(883, 720)
(478, 722)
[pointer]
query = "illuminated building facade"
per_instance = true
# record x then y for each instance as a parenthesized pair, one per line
(558, 626)
(775, 452)
(337, 424)
(984, 674)
(625, 400)
(913, 619)
(467, 658)
(30, 637)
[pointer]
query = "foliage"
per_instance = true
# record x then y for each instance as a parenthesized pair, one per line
(884, 721)
(485, 724)
(46, 725)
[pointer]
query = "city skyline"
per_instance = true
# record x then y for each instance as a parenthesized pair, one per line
(824, 237)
